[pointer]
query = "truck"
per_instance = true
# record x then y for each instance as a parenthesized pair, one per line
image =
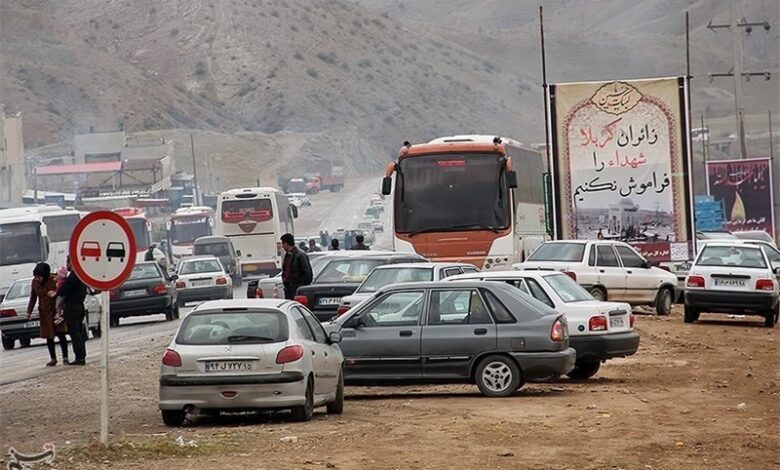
(322, 175)
(333, 182)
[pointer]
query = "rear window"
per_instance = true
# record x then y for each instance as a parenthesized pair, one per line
(732, 256)
(233, 327)
(380, 278)
(558, 252)
(200, 266)
(214, 249)
(144, 271)
(258, 210)
(348, 270)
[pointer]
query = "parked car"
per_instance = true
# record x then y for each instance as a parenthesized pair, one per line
(222, 248)
(756, 235)
(609, 270)
(273, 287)
(341, 276)
(729, 277)
(378, 226)
(372, 212)
(598, 330)
(367, 230)
(14, 324)
(258, 354)
(148, 291)
(202, 278)
(383, 276)
(486, 333)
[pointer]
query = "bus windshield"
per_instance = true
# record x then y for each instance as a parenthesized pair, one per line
(140, 232)
(440, 193)
(21, 243)
(185, 230)
(59, 227)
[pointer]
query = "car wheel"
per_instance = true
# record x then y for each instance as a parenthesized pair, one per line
(663, 302)
(97, 332)
(690, 315)
(24, 342)
(598, 293)
(306, 411)
(337, 407)
(173, 417)
(497, 376)
(585, 369)
(771, 318)
(8, 343)
(113, 321)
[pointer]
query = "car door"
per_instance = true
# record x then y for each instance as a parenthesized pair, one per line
(382, 340)
(330, 373)
(609, 273)
(641, 281)
(316, 349)
(458, 328)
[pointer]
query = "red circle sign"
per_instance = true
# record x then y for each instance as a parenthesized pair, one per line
(102, 250)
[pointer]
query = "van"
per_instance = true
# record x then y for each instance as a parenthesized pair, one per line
(222, 248)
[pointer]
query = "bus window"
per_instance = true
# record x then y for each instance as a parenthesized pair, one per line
(59, 227)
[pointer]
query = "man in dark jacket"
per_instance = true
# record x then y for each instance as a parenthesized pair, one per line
(296, 270)
(359, 245)
(73, 293)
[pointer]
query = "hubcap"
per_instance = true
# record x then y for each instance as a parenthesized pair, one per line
(496, 377)
(667, 301)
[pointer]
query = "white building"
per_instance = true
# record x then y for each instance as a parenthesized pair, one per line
(12, 177)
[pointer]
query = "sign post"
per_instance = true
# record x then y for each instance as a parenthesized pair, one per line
(102, 254)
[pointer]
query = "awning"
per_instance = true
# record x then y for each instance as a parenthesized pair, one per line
(100, 167)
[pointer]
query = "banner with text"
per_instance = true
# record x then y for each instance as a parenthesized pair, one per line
(745, 189)
(620, 163)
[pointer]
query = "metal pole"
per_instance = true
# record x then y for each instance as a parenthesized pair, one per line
(736, 52)
(771, 144)
(195, 189)
(544, 81)
(104, 327)
(35, 182)
(704, 139)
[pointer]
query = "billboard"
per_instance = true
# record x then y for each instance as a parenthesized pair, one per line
(621, 164)
(744, 187)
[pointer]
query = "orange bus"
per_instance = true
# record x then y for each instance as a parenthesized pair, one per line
(458, 199)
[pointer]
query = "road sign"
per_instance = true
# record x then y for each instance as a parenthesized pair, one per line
(102, 254)
(102, 250)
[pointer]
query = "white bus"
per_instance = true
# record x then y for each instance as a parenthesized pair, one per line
(23, 243)
(255, 219)
(59, 227)
(187, 225)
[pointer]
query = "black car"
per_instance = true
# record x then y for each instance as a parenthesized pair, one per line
(148, 291)
(342, 276)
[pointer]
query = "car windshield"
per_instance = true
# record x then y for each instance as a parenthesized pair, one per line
(20, 289)
(732, 256)
(21, 243)
(144, 271)
(346, 270)
(233, 327)
(567, 289)
(200, 266)
(214, 249)
(380, 278)
(558, 252)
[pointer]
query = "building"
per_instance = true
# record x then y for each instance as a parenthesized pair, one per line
(623, 215)
(12, 170)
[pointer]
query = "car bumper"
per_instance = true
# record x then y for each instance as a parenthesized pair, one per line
(204, 293)
(604, 347)
(19, 327)
(545, 365)
(140, 307)
(270, 391)
(730, 302)
(270, 269)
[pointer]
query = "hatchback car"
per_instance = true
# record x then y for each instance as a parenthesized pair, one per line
(486, 333)
(148, 291)
(598, 330)
(202, 278)
(222, 248)
(251, 354)
(273, 287)
(729, 277)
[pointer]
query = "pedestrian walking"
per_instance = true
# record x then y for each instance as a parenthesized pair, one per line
(73, 293)
(359, 245)
(44, 291)
(323, 238)
(296, 269)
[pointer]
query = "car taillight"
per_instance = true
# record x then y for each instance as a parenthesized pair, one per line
(113, 294)
(598, 323)
(302, 299)
(694, 281)
(160, 289)
(571, 274)
(258, 293)
(631, 320)
(557, 332)
(289, 354)
(180, 284)
(342, 309)
(221, 281)
(7, 312)
(765, 284)
(171, 358)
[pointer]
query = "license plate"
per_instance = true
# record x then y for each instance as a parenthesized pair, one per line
(32, 324)
(229, 366)
(741, 283)
(204, 283)
(330, 301)
(134, 293)
(617, 322)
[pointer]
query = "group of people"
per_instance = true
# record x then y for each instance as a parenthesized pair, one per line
(61, 311)
(353, 240)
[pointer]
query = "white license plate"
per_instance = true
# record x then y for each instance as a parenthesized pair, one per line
(229, 366)
(330, 301)
(739, 283)
(617, 322)
(32, 324)
(204, 283)
(134, 293)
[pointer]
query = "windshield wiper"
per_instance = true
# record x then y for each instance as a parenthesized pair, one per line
(241, 338)
(453, 228)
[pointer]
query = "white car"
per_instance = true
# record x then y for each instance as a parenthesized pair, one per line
(201, 278)
(251, 354)
(729, 277)
(609, 270)
(378, 205)
(385, 275)
(378, 226)
(598, 330)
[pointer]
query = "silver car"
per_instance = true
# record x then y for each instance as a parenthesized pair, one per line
(251, 354)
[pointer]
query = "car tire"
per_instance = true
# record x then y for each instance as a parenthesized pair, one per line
(113, 321)
(584, 369)
(337, 407)
(771, 318)
(173, 417)
(664, 301)
(690, 315)
(598, 293)
(24, 342)
(8, 343)
(497, 376)
(306, 411)
(97, 332)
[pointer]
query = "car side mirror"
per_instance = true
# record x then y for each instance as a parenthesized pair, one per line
(387, 185)
(511, 179)
(334, 337)
(777, 270)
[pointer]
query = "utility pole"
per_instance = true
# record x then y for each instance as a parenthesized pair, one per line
(196, 191)
(735, 23)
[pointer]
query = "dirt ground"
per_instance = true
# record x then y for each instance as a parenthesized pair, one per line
(676, 404)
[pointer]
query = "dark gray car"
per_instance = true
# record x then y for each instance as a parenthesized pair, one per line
(440, 332)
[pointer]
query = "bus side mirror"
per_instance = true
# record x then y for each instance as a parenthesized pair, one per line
(387, 185)
(294, 211)
(511, 179)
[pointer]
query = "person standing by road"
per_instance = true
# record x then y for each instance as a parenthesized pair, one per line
(313, 248)
(73, 293)
(149, 256)
(44, 292)
(334, 244)
(296, 269)
(359, 245)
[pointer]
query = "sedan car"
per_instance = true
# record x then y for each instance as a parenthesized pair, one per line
(148, 291)
(202, 278)
(251, 354)
(598, 330)
(729, 277)
(273, 287)
(486, 333)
